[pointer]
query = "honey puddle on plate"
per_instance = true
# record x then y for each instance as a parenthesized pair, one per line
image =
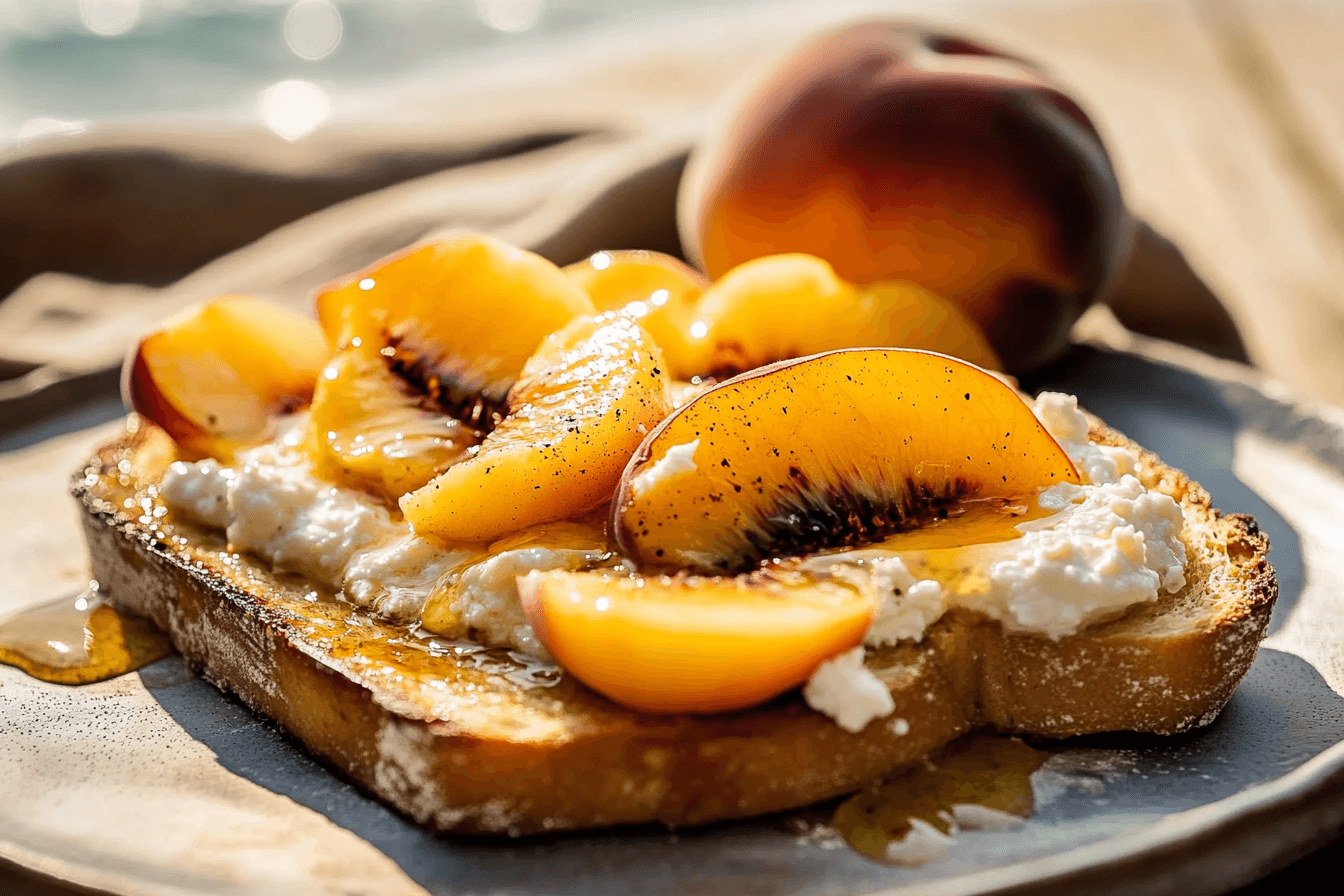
(79, 640)
(982, 782)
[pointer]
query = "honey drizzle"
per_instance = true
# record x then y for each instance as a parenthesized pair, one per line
(970, 522)
(79, 640)
(984, 770)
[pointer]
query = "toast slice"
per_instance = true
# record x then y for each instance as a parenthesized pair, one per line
(465, 739)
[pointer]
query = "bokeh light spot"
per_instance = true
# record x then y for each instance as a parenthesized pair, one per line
(109, 18)
(293, 109)
(509, 15)
(313, 29)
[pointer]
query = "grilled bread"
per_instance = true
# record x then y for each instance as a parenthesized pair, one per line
(465, 739)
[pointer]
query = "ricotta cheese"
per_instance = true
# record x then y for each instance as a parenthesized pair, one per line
(1110, 547)
(847, 690)
(1098, 464)
(906, 606)
(272, 504)
(485, 594)
(678, 461)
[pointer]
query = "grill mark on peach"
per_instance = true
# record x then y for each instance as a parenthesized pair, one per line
(808, 520)
(439, 386)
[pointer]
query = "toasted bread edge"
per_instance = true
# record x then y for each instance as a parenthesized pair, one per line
(1147, 671)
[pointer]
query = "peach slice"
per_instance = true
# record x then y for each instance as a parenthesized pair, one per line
(216, 376)
(840, 449)
(786, 306)
(577, 413)
(430, 342)
(689, 644)
(371, 430)
(458, 317)
(657, 290)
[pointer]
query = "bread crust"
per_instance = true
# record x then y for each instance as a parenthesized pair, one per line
(471, 741)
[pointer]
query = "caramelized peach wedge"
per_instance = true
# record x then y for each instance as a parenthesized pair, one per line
(428, 343)
(577, 413)
(840, 449)
(689, 643)
(217, 375)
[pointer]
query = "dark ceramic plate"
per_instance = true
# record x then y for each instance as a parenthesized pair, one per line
(155, 783)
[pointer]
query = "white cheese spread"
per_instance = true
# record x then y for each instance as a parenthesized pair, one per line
(1109, 544)
(273, 505)
(678, 461)
(485, 594)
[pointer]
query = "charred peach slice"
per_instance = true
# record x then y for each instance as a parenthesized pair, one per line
(457, 317)
(577, 413)
(657, 290)
(430, 342)
(839, 449)
(787, 306)
(689, 644)
(217, 375)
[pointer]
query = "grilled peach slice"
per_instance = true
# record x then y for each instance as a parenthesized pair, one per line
(577, 413)
(689, 644)
(787, 306)
(430, 342)
(657, 290)
(216, 376)
(457, 317)
(839, 449)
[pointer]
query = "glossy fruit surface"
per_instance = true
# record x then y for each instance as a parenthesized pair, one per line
(217, 375)
(429, 343)
(836, 450)
(457, 317)
(683, 644)
(898, 153)
(578, 411)
(658, 290)
(374, 431)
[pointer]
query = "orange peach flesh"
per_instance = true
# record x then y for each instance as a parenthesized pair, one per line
(577, 413)
(838, 449)
(461, 314)
(691, 645)
(657, 290)
(371, 431)
(216, 376)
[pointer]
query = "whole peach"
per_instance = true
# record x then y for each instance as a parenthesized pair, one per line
(897, 153)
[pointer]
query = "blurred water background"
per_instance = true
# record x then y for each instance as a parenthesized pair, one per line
(68, 65)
